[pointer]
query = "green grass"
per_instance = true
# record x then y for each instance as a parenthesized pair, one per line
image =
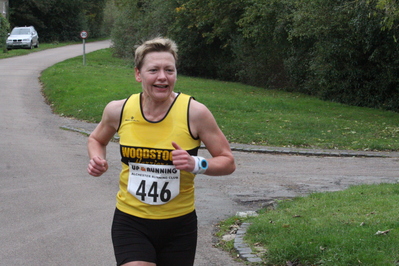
(246, 114)
(42, 46)
(334, 228)
(227, 227)
(81, 91)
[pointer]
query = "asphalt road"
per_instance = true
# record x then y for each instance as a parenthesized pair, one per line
(53, 213)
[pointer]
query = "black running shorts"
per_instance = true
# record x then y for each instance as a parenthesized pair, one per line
(164, 242)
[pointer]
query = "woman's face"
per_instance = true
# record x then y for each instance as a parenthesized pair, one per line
(157, 75)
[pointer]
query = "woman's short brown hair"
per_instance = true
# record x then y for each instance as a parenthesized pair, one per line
(158, 44)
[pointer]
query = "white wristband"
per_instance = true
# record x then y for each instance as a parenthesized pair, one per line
(200, 165)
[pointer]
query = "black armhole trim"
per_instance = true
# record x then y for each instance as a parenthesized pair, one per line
(123, 108)
(188, 118)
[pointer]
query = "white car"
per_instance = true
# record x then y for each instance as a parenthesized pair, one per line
(23, 37)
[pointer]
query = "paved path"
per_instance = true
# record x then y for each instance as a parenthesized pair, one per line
(53, 213)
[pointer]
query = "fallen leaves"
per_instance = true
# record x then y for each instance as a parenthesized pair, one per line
(382, 232)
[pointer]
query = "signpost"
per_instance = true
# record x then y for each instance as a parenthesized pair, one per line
(83, 35)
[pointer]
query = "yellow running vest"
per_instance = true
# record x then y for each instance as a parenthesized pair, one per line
(145, 146)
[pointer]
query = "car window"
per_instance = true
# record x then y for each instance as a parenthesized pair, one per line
(20, 31)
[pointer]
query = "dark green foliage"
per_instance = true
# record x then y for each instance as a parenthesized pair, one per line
(59, 20)
(350, 59)
(205, 31)
(4, 30)
(138, 21)
(262, 45)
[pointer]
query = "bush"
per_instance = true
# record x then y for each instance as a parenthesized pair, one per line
(204, 31)
(138, 21)
(350, 59)
(4, 30)
(262, 46)
(59, 20)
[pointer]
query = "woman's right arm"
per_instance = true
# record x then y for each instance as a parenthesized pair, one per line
(100, 137)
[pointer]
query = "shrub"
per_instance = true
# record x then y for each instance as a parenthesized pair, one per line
(4, 30)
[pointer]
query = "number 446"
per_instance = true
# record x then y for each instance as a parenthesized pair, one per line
(164, 195)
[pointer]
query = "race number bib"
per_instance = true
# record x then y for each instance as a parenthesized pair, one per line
(153, 184)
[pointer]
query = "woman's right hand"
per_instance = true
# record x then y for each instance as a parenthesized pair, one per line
(97, 166)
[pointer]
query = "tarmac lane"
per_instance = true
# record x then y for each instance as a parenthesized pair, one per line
(53, 213)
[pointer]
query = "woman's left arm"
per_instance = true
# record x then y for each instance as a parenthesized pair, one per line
(204, 125)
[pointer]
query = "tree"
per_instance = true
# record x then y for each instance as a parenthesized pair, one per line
(351, 60)
(4, 30)
(58, 20)
(390, 10)
(94, 16)
(262, 47)
(204, 31)
(138, 21)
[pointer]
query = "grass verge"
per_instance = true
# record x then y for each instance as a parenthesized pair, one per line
(42, 46)
(246, 114)
(357, 226)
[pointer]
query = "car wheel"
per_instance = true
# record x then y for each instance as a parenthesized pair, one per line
(31, 45)
(37, 44)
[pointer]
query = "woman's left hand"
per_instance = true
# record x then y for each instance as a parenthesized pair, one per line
(182, 160)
